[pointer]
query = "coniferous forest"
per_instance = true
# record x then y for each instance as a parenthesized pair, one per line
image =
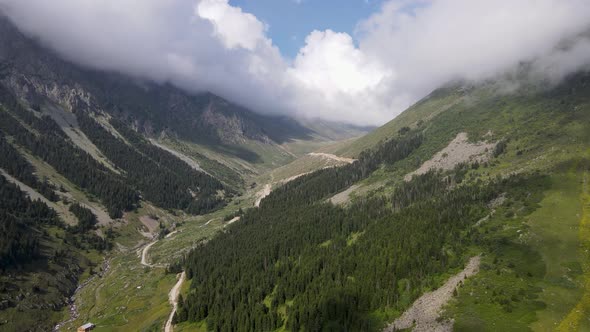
(17, 166)
(161, 177)
(42, 137)
(313, 266)
(151, 172)
(19, 219)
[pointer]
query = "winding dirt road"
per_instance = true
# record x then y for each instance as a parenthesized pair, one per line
(173, 295)
(173, 298)
(144, 254)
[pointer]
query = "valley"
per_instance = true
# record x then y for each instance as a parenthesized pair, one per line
(139, 205)
(141, 283)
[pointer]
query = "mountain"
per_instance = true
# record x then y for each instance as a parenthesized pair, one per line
(39, 76)
(96, 163)
(479, 194)
(468, 212)
(42, 79)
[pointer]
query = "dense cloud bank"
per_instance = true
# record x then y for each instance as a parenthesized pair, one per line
(397, 55)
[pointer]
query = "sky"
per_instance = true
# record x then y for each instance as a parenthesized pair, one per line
(348, 60)
(290, 21)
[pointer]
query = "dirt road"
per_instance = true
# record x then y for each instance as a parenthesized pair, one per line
(173, 298)
(262, 194)
(333, 157)
(144, 254)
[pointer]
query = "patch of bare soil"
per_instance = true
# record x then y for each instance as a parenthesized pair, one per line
(262, 194)
(343, 197)
(192, 163)
(207, 223)
(233, 220)
(150, 223)
(460, 150)
(333, 157)
(294, 177)
(32, 193)
(69, 124)
(101, 215)
(424, 313)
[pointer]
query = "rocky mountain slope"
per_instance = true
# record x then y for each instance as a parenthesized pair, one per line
(42, 79)
(94, 164)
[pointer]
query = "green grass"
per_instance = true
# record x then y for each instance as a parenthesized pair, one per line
(115, 303)
(190, 234)
(530, 278)
(128, 296)
(579, 316)
(353, 238)
(424, 110)
(191, 327)
(536, 278)
(51, 278)
(301, 166)
(554, 234)
(301, 147)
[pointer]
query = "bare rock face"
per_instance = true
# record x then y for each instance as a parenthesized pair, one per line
(231, 128)
(35, 90)
(423, 315)
(460, 150)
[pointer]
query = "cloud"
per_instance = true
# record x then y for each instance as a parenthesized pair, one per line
(444, 40)
(224, 51)
(332, 77)
(330, 63)
(397, 55)
(234, 27)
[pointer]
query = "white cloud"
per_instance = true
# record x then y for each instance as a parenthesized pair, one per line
(401, 53)
(330, 63)
(330, 71)
(234, 27)
(468, 39)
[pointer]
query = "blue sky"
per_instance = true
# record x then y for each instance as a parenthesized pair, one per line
(291, 21)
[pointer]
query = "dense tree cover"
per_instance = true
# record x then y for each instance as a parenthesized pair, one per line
(19, 217)
(16, 165)
(282, 240)
(86, 219)
(329, 267)
(306, 265)
(39, 263)
(309, 188)
(161, 177)
(88, 240)
(43, 138)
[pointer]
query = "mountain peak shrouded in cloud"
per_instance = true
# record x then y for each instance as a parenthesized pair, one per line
(398, 55)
